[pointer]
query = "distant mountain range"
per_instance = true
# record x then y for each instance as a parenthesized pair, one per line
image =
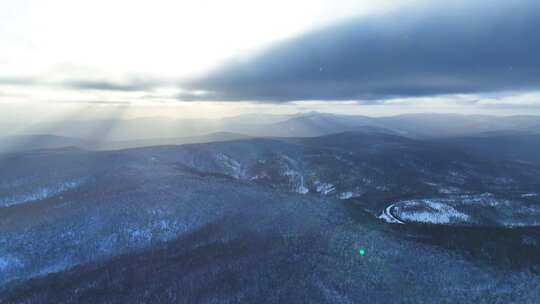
(19, 143)
(299, 125)
(511, 138)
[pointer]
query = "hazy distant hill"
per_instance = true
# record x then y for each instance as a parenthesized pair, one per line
(37, 142)
(442, 125)
(523, 147)
(426, 125)
(207, 138)
(410, 125)
(317, 124)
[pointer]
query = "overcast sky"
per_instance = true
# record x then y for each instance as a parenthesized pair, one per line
(215, 58)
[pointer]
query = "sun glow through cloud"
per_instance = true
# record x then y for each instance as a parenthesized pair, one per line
(62, 51)
(137, 52)
(160, 38)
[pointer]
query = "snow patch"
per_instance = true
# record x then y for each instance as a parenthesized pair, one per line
(387, 216)
(345, 195)
(8, 262)
(233, 166)
(40, 193)
(324, 188)
(449, 190)
(382, 188)
(295, 175)
(140, 234)
(431, 212)
(302, 189)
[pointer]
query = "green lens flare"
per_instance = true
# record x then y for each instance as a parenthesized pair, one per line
(361, 251)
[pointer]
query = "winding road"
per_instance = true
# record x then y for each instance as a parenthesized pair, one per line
(387, 216)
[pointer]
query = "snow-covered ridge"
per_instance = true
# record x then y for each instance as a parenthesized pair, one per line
(39, 193)
(232, 166)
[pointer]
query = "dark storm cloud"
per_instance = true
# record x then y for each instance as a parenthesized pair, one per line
(488, 46)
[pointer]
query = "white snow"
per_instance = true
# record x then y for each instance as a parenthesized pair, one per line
(138, 234)
(324, 188)
(367, 181)
(484, 199)
(449, 190)
(345, 195)
(259, 176)
(39, 194)
(503, 180)
(436, 213)
(302, 189)
(426, 217)
(296, 178)
(234, 167)
(387, 216)
(7, 262)
(529, 195)
(382, 188)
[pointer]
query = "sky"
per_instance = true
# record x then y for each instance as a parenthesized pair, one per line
(221, 58)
